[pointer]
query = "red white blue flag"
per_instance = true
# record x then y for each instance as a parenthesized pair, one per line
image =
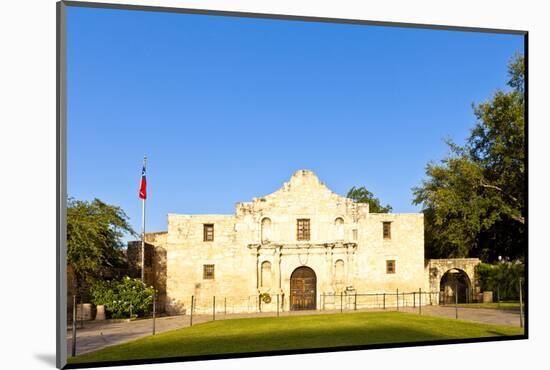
(143, 185)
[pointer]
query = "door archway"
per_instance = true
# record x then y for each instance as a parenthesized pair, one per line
(303, 289)
(455, 286)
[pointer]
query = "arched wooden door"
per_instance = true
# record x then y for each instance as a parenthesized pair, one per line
(303, 289)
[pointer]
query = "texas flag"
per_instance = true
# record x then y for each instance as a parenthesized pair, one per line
(143, 184)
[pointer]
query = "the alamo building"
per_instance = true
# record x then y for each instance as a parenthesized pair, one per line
(302, 246)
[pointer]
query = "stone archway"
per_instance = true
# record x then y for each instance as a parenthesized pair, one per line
(455, 286)
(303, 289)
(467, 278)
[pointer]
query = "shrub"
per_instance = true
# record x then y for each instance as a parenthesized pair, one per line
(502, 277)
(122, 296)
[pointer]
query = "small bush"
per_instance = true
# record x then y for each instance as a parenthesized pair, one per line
(502, 277)
(122, 296)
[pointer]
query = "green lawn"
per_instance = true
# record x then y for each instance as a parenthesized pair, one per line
(296, 332)
(510, 305)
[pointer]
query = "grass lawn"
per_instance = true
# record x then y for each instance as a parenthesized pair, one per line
(509, 305)
(296, 332)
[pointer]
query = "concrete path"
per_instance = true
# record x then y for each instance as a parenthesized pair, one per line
(99, 334)
(485, 315)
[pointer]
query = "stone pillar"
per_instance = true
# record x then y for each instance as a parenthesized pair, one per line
(258, 269)
(277, 268)
(100, 312)
(349, 267)
(329, 274)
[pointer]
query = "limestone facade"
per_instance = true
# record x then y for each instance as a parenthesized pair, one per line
(257, 249)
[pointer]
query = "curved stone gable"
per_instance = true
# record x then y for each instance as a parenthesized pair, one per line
(304, 193)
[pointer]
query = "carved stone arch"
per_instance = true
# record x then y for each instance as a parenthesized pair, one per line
(466, 270)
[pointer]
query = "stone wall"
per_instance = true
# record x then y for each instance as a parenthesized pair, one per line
(155, 264)
(187, 253)
(346, 249)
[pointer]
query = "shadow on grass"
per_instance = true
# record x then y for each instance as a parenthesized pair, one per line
(294, 333)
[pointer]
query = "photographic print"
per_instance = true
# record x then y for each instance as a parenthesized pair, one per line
(251, 184)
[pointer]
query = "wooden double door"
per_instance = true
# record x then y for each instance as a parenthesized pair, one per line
(303, 289)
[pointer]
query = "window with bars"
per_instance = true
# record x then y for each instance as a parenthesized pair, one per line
(208, 272)
(208, 232)
(303, 229)
(390, 267)
(387, 229)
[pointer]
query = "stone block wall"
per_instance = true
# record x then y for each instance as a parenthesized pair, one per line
(405, 247)
(346, 249)
(155, 264)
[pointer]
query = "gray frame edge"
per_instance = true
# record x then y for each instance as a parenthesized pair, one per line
(61, 127)
(287, 17)
(61, 186)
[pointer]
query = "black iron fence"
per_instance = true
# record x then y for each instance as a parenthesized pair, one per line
(348, 301)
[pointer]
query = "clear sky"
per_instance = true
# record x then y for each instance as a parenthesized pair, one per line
(226, 108)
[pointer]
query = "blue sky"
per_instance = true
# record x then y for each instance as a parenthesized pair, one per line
(226, 108)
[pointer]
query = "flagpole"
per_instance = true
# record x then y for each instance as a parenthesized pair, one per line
(143, 230)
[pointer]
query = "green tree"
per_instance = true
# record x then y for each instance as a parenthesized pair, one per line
(474, 199)
(94, 239)
(362, 195)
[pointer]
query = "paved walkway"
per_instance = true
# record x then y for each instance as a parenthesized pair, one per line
(485, 315)
(99, 334)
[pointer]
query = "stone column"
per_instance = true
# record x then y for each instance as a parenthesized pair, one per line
(258, 268)
(348, 264)
(329, 272)
(277, 268)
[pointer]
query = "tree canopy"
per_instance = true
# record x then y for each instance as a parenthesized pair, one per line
(362, 195)
(94, 238)
(474, 199)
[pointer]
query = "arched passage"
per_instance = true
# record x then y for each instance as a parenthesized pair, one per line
(468, 266)
(455, 282)
(303, 289)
